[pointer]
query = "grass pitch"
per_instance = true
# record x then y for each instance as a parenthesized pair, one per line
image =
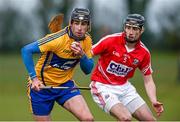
(14, 102)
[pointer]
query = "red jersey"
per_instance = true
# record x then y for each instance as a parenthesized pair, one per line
(117, 63)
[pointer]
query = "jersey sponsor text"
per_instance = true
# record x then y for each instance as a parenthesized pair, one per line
(118, 69)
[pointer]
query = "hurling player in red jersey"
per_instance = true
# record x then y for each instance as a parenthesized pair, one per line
(120, 55)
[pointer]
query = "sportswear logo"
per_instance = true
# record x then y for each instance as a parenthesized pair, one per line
(118, 69)
(106, 96)
(74, 90)
(116, 54)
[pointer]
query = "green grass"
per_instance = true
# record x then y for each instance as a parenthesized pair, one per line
(14, 103)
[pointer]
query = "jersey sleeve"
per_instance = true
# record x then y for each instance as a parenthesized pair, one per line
(100, 46)
(48, 43)
(27, 56)
(145, 66)
(88, 46)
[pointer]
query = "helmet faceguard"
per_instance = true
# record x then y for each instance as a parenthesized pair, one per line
(81, 14)
(135, 20)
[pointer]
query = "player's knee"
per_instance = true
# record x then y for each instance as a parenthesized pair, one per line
(88, 118)
(151, 118)
(125, 117)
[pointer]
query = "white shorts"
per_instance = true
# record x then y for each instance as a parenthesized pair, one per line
(106, 96)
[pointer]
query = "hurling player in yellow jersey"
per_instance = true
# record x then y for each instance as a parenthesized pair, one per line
(60, 53)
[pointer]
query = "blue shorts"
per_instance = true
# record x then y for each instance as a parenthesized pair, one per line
(43, 101)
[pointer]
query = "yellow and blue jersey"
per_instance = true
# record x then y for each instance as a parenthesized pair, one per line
(57, 62)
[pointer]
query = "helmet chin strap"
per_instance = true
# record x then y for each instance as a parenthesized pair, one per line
(71, 35)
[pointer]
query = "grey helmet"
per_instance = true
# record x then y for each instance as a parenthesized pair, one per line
(135, 19)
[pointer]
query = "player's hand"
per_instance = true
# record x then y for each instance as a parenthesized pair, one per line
(77, 49)
(158, 107)
(36, 84)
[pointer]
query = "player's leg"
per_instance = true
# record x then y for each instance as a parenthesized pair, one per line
(107, 98)
(144, 114)
(40, 107)
(136, 105)
(72, 100)
(41, 118)
(120, 112)
(78, 107)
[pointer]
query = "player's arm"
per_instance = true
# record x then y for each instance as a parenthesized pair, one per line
(151, 92)
(100, 47)
(27, 56)
(86, 64)
(150, 87)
